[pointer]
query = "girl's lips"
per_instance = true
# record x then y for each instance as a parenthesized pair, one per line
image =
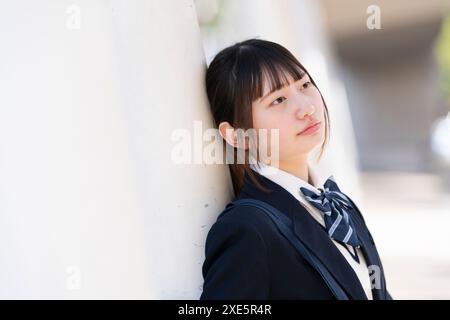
(311, 129)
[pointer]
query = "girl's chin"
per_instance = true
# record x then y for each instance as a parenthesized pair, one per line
(309, 142)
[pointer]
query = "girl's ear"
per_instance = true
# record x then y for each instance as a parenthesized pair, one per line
(230, 135)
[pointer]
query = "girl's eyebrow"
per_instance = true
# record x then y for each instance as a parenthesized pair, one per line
(269, 93)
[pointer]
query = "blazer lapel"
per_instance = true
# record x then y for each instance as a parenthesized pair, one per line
(316, 238)
(309, 232)
(371, 255)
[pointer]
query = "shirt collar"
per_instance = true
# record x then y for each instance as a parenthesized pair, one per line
(289, 181)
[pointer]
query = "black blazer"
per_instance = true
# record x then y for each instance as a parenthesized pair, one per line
(246, 257)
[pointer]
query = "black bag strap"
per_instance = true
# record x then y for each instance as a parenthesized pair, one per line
(285, 226)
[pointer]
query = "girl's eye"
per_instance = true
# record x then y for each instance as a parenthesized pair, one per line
(306, 85)
(277, 99)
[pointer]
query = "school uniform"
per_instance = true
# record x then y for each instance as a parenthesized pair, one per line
(246, 257)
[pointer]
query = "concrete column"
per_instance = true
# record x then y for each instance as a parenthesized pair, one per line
(91, 203)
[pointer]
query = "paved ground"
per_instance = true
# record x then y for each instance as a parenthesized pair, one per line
(411, 230)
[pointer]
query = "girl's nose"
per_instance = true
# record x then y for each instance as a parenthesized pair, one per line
(304, 110)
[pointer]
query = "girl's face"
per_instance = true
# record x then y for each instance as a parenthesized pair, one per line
(291, 109)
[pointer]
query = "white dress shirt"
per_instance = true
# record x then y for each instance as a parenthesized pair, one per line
(292, 184)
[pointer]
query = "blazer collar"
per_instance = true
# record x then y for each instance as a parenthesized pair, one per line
(315, 237)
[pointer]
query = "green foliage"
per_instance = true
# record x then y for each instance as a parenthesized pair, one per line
(442, 51)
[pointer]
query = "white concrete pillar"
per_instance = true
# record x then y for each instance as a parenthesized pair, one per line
(91, 204)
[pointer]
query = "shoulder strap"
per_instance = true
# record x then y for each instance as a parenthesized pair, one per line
(285, 226)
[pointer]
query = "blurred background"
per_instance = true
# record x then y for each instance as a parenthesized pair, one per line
(93, 95)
